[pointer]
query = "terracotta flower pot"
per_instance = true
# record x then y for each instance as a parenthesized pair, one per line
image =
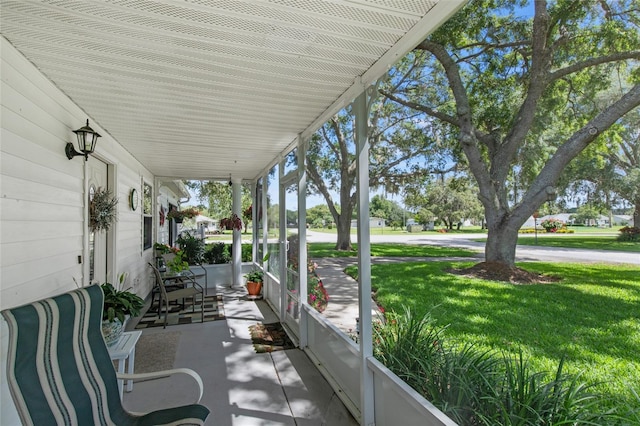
(254, 288)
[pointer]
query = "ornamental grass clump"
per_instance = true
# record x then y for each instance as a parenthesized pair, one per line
(475, 386)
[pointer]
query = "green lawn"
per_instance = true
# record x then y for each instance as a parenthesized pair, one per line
(318, 250)
(592, 315)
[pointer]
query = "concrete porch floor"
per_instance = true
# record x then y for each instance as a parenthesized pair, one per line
(242, 387)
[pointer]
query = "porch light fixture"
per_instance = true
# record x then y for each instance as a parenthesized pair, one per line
(87, 138)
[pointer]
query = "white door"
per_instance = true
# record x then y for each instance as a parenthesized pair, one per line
(290, 277)
(98, 253)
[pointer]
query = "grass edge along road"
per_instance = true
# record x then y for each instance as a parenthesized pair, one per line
(319, 250)
(589, 316)
(586, 242)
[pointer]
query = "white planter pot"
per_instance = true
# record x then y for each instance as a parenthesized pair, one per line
(111, 331)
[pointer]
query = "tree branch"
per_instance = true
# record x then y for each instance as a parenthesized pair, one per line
(467, 136)
(550, 173)
(429, 111)
(579, 66)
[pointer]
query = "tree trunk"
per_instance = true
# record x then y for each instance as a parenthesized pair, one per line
(502, 239)
(636, 215)
(343, 225)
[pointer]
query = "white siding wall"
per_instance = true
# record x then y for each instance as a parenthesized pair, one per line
(42, 208)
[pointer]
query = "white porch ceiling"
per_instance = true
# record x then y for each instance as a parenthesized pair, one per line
(213, 88)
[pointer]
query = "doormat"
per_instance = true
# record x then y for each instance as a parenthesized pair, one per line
(269, 338)
(213, 311)
(156, 352)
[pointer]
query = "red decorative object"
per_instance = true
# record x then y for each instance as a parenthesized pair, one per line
(162, 215)
(229, 223)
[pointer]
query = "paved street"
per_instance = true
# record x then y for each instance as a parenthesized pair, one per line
(523, 253)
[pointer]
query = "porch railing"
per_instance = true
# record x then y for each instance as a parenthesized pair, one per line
(337, 357)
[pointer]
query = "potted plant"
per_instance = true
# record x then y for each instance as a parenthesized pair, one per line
(180, 215)
(177, 263)
(118, 304)
(255, 279)
(231, 223)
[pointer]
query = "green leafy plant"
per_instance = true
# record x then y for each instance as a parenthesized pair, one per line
(256, 276)
(178, 262)
(217, 253)
(118, 303)
(192, 248)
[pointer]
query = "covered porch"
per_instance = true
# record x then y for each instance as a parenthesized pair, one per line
(243, 387)
(189, 90)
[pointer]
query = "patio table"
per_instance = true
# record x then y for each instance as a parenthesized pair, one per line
(124, 351)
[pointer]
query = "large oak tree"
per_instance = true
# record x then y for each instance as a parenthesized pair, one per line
(400, 150)
(512, 81)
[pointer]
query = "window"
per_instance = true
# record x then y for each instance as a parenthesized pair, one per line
(147, 214)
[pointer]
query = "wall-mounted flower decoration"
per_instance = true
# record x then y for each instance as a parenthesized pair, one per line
(102, 210)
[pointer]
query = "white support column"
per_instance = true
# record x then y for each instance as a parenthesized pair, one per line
(236, 253)
(265, 235)
(282, 238)
(367, 401)
(302, 236)
(254, 222)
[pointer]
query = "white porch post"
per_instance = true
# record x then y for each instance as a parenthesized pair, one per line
(302, 236)
(282, 238)
(367, 402)
(236, 253)
(265, 233)
(254, 222)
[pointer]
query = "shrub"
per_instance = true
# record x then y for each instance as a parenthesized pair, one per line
(247, 253)
(629, 233)
(478, 387)
(552, 224)
(217, 253)
(192, 248)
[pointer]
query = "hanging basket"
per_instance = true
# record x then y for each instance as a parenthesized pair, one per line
(102, 210)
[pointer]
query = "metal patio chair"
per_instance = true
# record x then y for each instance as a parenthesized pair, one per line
(167, 296)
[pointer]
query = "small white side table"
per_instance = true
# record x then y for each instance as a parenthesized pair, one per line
(123, 349)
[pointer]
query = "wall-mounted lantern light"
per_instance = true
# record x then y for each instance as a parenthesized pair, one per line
(87, 138)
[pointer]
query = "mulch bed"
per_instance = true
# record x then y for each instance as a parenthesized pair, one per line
(496, 271)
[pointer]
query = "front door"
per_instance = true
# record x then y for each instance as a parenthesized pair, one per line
(98, 241)
(292, 267)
